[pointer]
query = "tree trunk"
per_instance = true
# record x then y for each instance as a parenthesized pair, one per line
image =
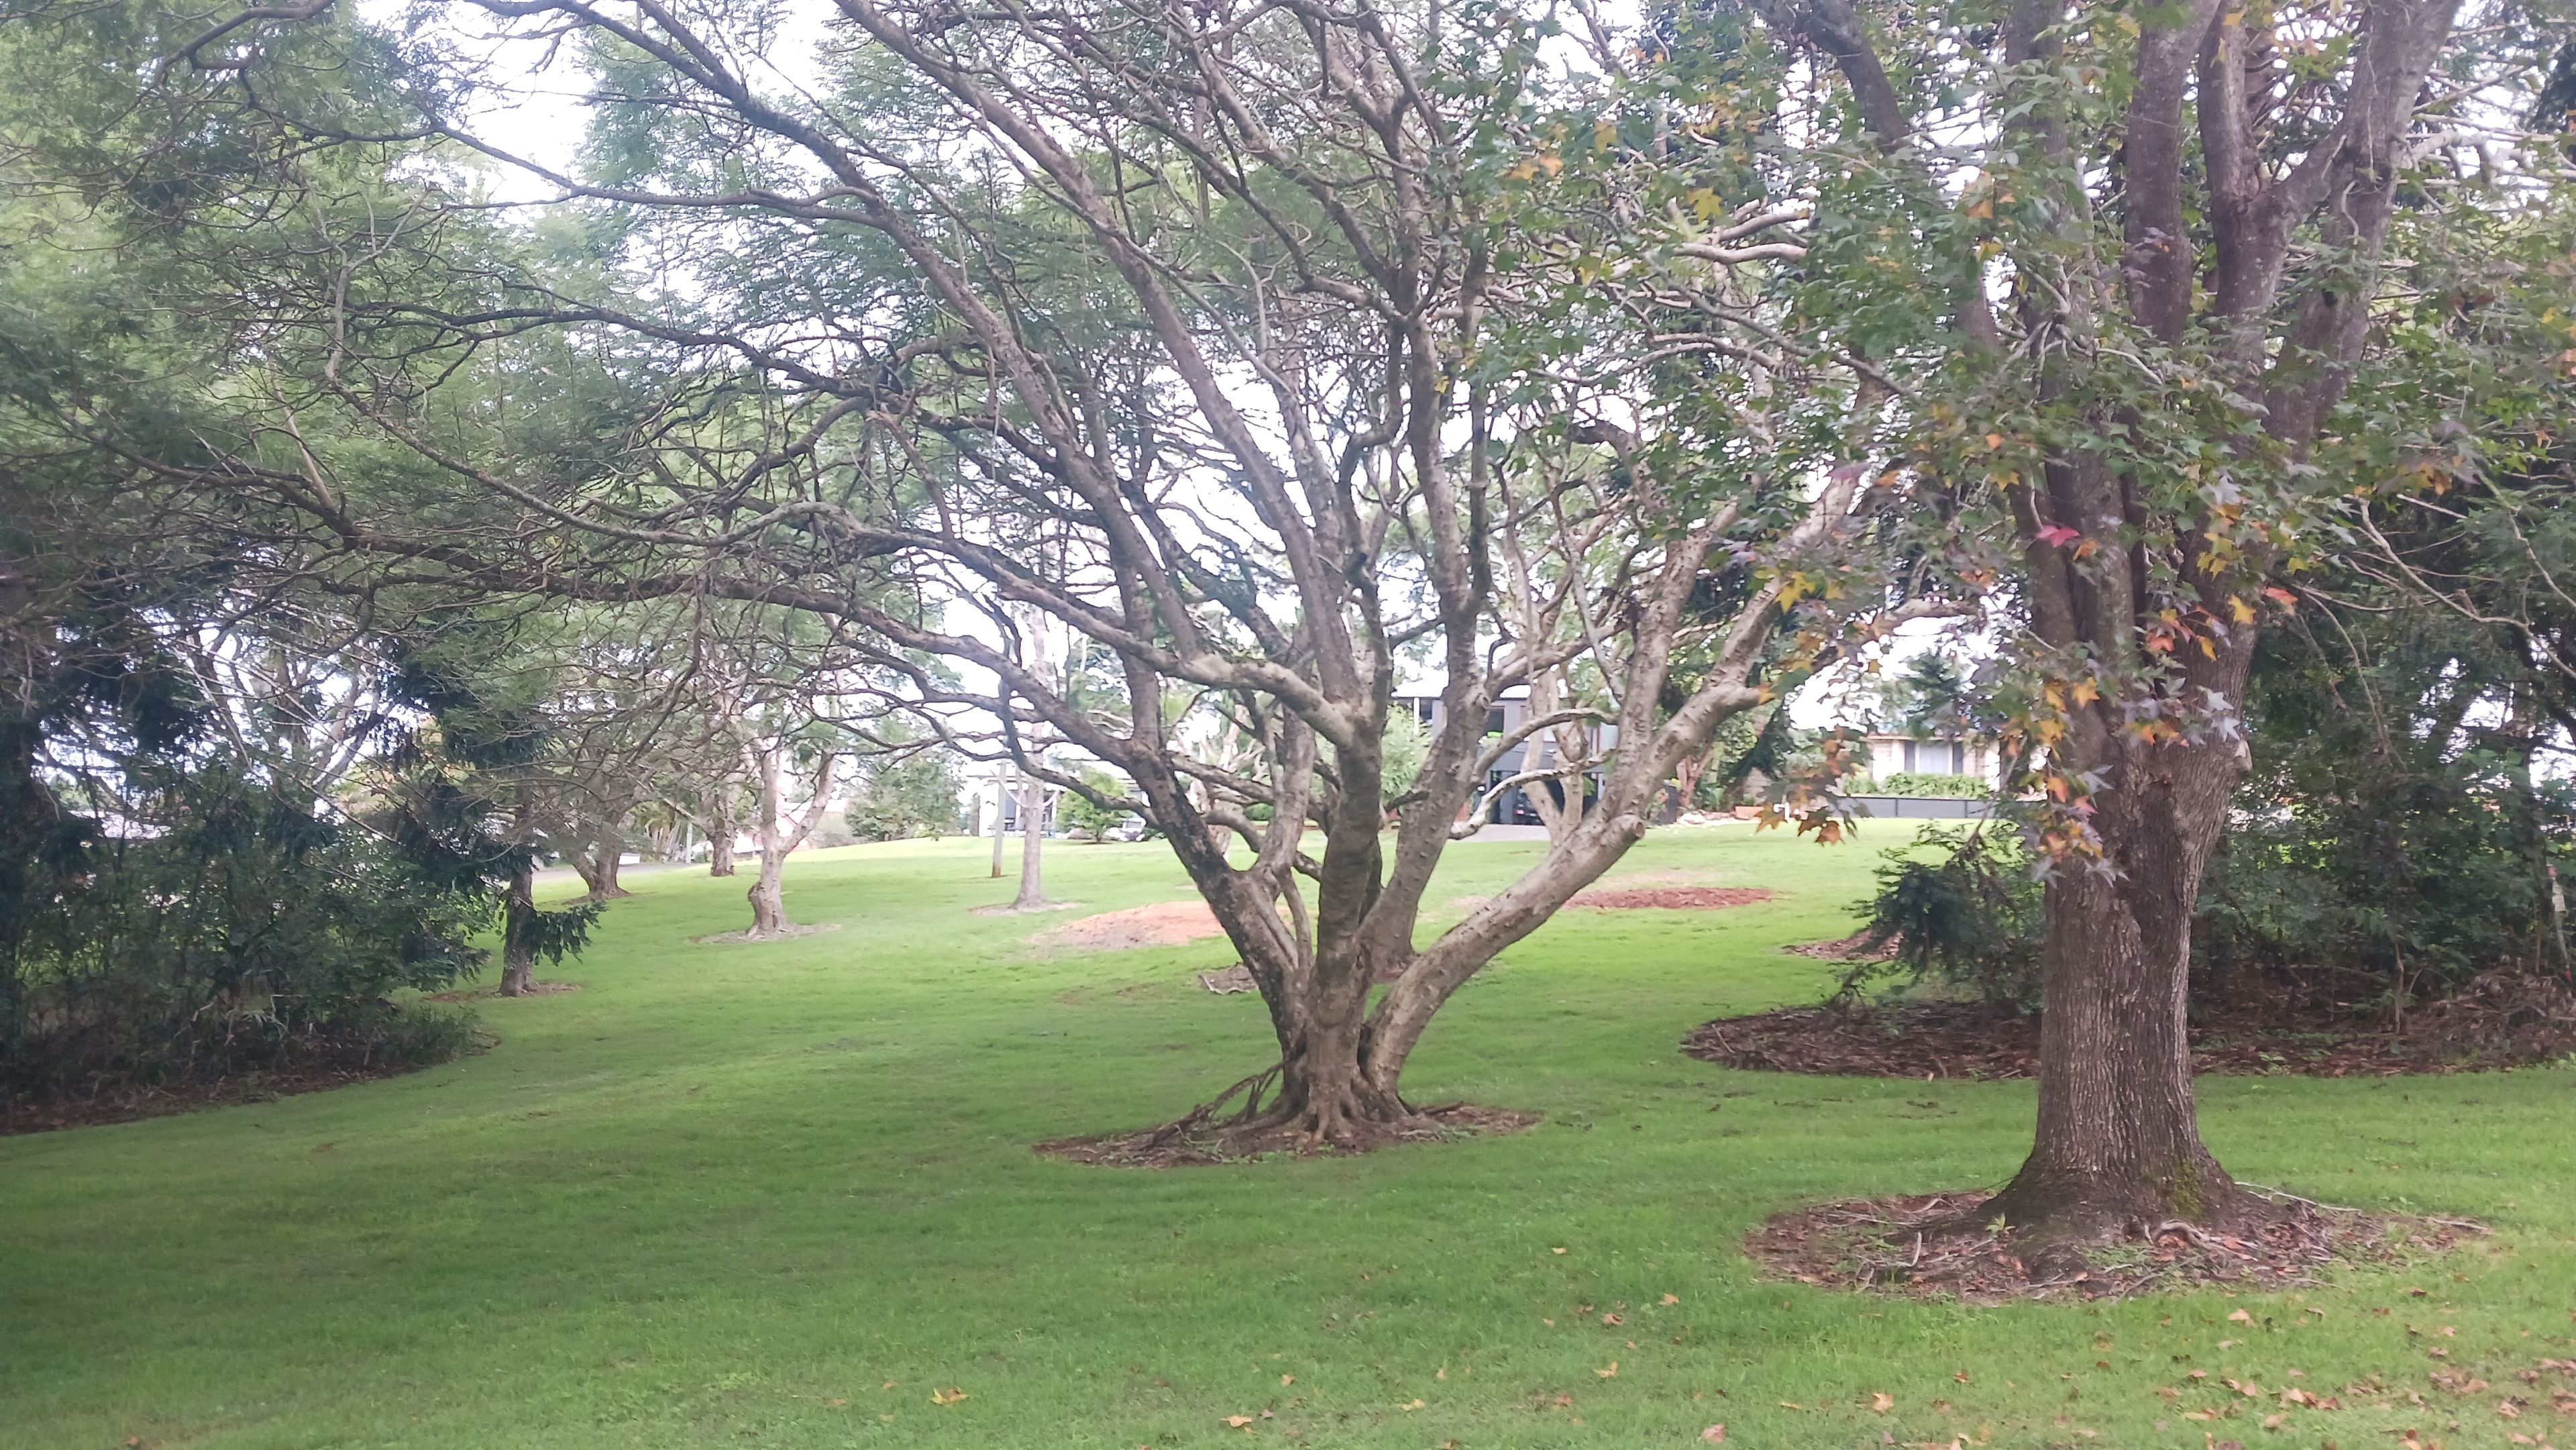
(610, 846)
(767, 895)
(518, 928)
(1032, 895)
(2118, 1146)
(1000, 788)
(721, 831)
(596, 863)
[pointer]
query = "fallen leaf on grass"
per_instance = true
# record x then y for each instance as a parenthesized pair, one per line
(1287, 1379)
(1676, 1299)
(1556, 1251)
(2240, 1317)
(948, 1396)
(1238, 1422)
(1880, 1404)
(1414, 1405)
(1612, 1319)
(1713, 1435)
(1611, 1373)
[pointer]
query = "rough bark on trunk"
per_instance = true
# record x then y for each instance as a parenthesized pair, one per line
(518, 931)
(1032, 894)
(2118, 1148)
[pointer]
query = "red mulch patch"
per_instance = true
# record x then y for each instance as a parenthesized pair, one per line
(1196, 1142)
(1975, 1040)
(125, 1105)
(1670, 898)
(1163, 924)
(1934, 1246)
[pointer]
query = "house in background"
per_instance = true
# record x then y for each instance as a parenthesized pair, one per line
(1513, 807)
(1894, 753)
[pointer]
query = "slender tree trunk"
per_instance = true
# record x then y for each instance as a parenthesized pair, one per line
(1001, 788)
(2118, 1146)
(518, 929)
(721, 831)
(767, 894)
(1032, 895)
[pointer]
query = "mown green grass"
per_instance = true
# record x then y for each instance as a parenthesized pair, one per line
(777, 1195)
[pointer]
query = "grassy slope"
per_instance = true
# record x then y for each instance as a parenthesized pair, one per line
(777, 1195)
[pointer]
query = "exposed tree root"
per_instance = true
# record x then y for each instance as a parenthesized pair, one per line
(1939, 1245)
(483, 994)
(784, 933)
(1210, 1134)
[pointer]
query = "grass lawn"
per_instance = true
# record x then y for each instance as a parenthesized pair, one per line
(778, 1195)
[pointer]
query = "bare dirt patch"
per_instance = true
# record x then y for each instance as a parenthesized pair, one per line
(1935, 1245)
(1163, 924)
(1195, 1142)
(2475, 1031)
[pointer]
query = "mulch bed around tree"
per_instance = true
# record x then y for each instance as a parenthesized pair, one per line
(125, 1105)
(1934, 1245)
(1194, 1142)
(2484, 1027)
